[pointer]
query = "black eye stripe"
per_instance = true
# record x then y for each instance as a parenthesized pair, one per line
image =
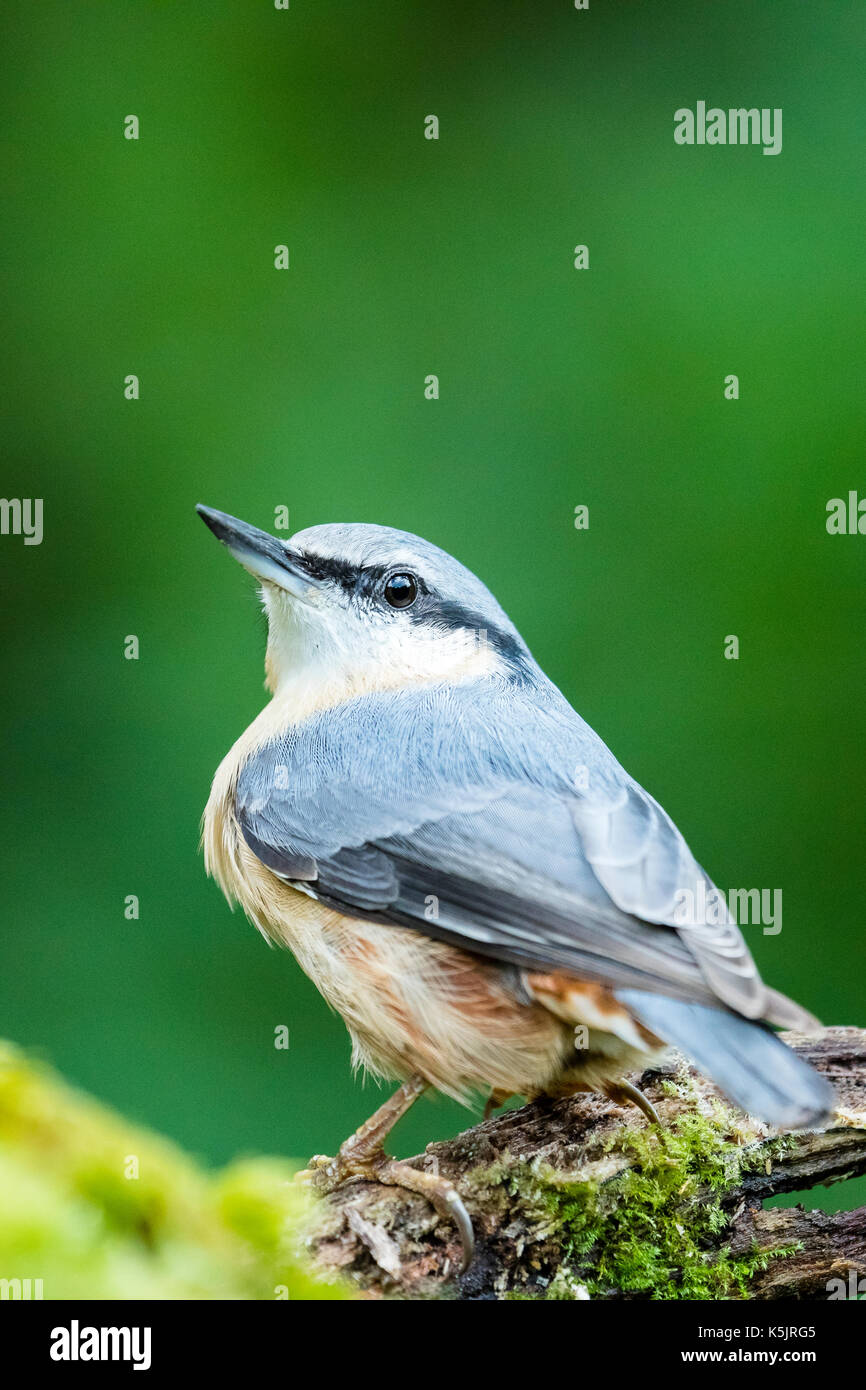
(321, 567)
(356, 580)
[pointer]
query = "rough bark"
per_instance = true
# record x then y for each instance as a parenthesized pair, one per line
(580, 1198)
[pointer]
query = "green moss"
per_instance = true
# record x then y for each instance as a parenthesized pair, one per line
(651, 1228)
(96, 1207)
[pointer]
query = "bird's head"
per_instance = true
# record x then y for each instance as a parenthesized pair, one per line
(360, 608)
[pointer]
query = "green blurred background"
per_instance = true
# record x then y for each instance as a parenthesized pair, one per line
(305, 388)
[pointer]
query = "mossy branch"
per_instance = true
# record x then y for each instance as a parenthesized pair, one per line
(580, 1199)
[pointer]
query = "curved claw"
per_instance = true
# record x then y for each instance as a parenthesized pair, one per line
(463, 1221)
(624, 1091)
(440, 1193)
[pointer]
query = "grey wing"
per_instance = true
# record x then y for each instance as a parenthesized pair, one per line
(642, 860)
(457, 813)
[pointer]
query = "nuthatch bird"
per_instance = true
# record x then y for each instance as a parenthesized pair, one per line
(404, 815)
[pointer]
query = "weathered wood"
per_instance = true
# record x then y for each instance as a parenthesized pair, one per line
(580, 1198)
(832, 1245)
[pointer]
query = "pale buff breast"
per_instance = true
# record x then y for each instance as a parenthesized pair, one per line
(410, 1004)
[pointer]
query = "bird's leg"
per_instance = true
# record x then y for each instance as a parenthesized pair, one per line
(356, 1152)
(362, 1156)
(494, 1100)
(623, 1091)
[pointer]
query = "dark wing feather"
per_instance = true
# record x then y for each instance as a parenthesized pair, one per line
(455, 811)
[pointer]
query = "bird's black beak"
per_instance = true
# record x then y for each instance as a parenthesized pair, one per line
(263, 555)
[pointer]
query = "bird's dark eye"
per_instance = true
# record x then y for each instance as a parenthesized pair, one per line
(401, 590)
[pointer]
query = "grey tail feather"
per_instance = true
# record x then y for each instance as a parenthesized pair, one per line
(786, 1014)
(746, 1060)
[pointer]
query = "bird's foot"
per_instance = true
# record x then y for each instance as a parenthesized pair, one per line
(350, 1165)
(362, 1158)
(314, 1174)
